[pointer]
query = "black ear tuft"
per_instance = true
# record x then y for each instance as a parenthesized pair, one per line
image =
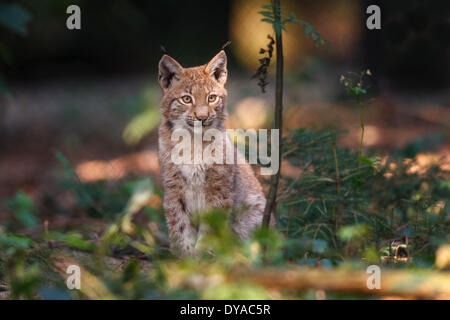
(169, 69)
(226, 44)
(217, 67)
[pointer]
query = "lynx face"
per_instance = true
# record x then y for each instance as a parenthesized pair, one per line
(193, 94)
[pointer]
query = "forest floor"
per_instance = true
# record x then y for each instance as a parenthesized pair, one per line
(50, 128)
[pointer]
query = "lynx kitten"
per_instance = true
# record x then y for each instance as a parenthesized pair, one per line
(198, 94)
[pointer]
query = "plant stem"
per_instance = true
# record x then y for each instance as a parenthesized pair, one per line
(338, 216)
(274, 180)
(361, 108)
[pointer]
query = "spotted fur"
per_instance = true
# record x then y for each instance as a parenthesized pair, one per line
(191, 188)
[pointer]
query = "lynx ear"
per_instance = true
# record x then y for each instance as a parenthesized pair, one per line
(169, 70)
(217, 67)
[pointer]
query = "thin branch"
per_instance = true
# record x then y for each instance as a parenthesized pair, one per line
(274, 181)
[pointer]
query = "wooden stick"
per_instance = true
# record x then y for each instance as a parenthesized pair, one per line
(416, 284)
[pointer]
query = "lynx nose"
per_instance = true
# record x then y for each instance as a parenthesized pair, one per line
(201, 117)
(202, 113)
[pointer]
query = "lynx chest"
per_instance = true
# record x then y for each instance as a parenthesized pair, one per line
(194, 186)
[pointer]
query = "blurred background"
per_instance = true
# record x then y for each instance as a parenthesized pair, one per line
(92, 94)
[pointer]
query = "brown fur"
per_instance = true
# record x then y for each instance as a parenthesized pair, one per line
(190, 188)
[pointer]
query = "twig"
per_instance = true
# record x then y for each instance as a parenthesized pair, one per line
(274, 181)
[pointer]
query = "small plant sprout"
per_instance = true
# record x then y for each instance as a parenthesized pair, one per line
(354, 83)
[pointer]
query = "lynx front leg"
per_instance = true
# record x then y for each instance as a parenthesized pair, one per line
(249, 216)
(218, 195)
(182, 234)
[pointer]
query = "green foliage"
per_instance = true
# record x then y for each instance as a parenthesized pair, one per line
(353, 232)
(23, 279)
(279, 23)
(145, 120)
(72, 239)
(23, 210)
(14, 17)
(341, 211)
(337, 213)
(357, 206)
(10, 242)
(94, 198)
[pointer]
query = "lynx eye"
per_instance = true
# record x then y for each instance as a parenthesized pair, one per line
(212, 98)
(186, 99)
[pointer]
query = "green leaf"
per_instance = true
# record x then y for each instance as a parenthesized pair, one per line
(308, 29)
(289, 19)
(353, 232)
(23, 209)
(141, 125)
(77, 242)
(72, 240)
(357, 90)
(16, 241)
(277, 28)
(301, 22)
(66, 165)
(267, 20)
(14, 17)
(369, 161)
(268, 14)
